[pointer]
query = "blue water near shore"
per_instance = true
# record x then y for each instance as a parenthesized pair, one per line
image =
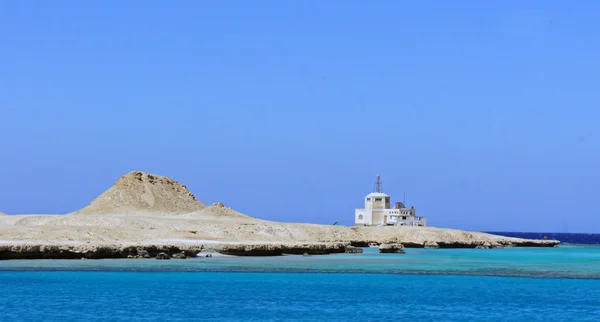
(565, 238)
(515, 284)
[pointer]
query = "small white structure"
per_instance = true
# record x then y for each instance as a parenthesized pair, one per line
(377, 211)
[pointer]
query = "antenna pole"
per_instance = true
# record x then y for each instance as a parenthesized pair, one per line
(404, 202)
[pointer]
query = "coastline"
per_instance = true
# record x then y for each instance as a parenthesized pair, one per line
(48, 241)
(144, 214)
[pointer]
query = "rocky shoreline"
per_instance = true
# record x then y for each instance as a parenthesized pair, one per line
(144, 215)
(10, 251)
(43, 251)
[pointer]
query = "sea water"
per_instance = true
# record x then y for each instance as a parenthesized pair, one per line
(518, 284)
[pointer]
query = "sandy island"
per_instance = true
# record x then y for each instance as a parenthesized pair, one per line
(144, 214)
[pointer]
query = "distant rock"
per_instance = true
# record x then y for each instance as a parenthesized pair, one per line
(251, 250)
(143, 254)
(431, 244)
(3, 214)
(140, 192)
(353, 250)
(179, 256)
(314, 249)
(391, 248)
(163, 256)
(485, 245)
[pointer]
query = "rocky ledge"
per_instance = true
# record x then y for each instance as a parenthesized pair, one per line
(44, 251)
(391, 248)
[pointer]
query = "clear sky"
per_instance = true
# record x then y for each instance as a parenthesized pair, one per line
(485, 112)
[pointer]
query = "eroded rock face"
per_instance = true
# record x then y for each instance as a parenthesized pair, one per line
(431, 244)
(143, 254)
(163, 256)
(314, 249)
(391, 248)
(280, 249)
(31, 251)
(179, 256)
(353, 250)
(252, 250)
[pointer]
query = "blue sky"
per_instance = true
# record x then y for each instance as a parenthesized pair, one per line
(485, 112)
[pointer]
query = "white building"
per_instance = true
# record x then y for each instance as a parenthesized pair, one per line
(377, 211)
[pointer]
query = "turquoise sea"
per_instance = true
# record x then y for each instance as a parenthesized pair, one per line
(513, 284)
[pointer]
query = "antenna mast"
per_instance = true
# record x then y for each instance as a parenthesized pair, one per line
(378, 184)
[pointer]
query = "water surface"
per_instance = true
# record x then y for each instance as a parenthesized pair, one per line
(564, 262)
(518, 284)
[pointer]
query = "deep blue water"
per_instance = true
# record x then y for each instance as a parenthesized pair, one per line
(568, 238)
(513, 284)
(202, 296)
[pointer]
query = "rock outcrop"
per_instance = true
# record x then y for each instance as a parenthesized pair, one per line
(39, 251)
(353, 250)
(280, 249)
(163, 256)
(141, 253)
(391, 249)
(431, 244)
(140, 192)
(179, 256)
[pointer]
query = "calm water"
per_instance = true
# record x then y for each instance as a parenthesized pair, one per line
(519, 284)
(569, 238)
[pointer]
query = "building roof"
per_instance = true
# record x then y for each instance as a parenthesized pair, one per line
(376, 195)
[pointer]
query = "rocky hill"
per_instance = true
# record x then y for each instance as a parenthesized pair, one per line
(141, 193)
